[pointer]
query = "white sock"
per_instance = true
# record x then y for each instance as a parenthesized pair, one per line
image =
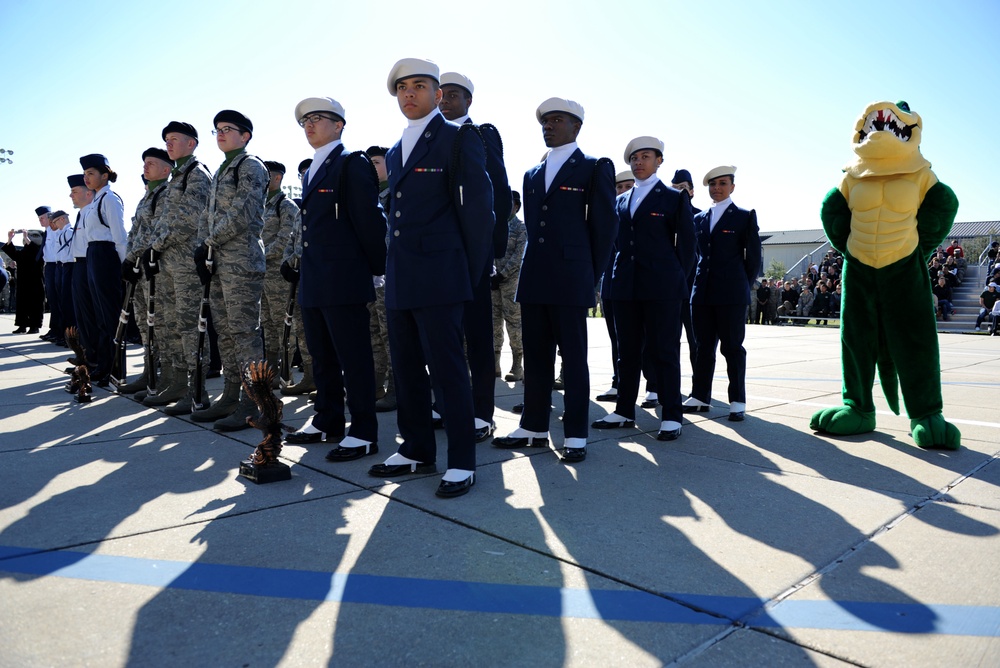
(669, 425)
(651, 396)
(396, 459)
(614, 418)
(524, 433)
(308, 427)
(737, 407)
(480, 424)
(613, 390)
(457, 475)
(691, 401)
(351, 442)
(575, 443)
(435, 415)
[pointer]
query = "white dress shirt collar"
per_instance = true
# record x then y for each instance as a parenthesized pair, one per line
(554, 161)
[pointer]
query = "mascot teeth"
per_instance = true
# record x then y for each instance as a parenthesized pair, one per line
(884, 120)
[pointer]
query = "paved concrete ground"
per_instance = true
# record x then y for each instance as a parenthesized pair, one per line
(126, 537)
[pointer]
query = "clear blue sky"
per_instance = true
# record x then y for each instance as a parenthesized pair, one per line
(771, 87)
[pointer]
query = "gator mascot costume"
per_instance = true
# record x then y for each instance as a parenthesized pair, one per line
(888, 215)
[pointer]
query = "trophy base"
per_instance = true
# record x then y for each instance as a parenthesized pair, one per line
(261, 475)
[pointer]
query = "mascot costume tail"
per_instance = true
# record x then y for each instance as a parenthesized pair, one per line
(888, 215)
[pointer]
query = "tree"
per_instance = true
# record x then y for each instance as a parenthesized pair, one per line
(776, 269)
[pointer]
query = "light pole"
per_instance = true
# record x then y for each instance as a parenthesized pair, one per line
(3, 156)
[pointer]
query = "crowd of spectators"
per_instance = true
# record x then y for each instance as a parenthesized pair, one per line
(815, 295)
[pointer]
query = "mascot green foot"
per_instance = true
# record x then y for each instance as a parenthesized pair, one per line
(843, 421)
(934, 432)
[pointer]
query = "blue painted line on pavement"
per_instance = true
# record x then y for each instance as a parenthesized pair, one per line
(608, 605)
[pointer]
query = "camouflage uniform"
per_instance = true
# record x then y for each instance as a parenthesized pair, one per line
(178, 290)
(231, 226)
(293, 251)
(281, 216)
(378, 325)
(139, 237)
(504, 306)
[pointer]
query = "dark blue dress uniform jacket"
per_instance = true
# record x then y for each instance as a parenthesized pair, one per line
(655, 247)
(729, 257)
(437, 250)
(343, 234)
(568, 247)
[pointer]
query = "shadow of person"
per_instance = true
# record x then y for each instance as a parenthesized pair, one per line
(254, 578)
(452, 593)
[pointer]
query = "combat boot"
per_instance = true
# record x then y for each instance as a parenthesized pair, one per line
(304, 386)
(237, 420)
(516, 370)
(140, 383)
(174, 387)
(223, 407)
(186, 405)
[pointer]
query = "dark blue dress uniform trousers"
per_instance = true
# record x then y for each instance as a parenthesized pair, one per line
(341, 346)
(432, 336)
(725, 326)
(547, 326)
(104, 276)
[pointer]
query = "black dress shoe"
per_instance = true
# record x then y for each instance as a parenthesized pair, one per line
(437, 423)
(650, 403)
(518, 408)
(33, 330)
(608, 397)
(302, 437)
(694, 409)
(736, 416)
(448, 490)
(605, 424)
(484, 433)
(511, 442)
(573, 455)
(558, 383)
(213, 373)
(668, 434)
(19, 330)
(47, 336)
(104, 382)
(394, 470)
(75, 361)
(340, 454)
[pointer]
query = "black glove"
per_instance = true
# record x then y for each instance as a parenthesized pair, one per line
(130, 271)
(495, 281)
(202, 266)
(150, 263)
(289, 273)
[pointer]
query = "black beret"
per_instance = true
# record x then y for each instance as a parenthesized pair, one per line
(95, 160)
(57, 214)
(305, 164)
(376, 150)
(42, 209)
(158, 153)
(75, 180)
(682, 176)
(273, 166)
(181, 127)
(234, 117)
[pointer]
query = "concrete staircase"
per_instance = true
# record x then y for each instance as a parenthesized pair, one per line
(966, 301)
